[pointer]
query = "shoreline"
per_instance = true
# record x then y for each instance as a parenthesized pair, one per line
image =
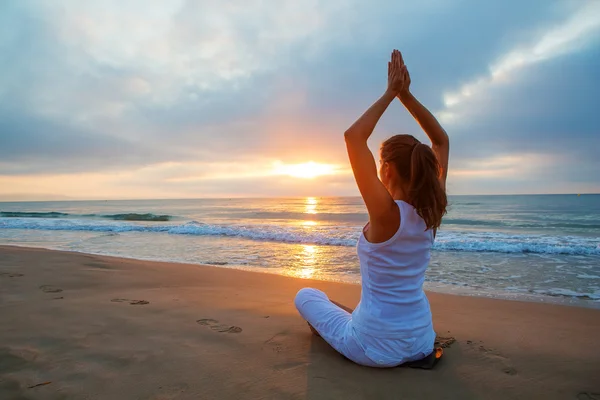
(76, 326)
(430, 287)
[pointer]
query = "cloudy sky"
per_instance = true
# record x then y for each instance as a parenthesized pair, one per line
(177, 99)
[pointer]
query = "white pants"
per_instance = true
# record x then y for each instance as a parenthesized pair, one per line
(335, 326)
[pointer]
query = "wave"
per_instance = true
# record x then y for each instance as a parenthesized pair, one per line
(569, 225)
(116, 217)
(347, 218)
(587, 276)
(17, 214)
(508, 224)
(516, 291)
(523, 244)
(494, 242)
(361, 217)
(138, 217)
(559, 292)
(471, 222)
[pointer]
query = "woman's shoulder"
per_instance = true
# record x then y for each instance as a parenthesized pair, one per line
(412, 222)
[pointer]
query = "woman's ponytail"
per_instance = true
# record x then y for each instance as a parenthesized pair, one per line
(425, 191)
(418, 166)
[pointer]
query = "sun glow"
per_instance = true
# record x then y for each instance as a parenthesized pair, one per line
(307, 170)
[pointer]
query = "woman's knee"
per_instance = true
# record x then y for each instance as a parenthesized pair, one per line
(306, 294)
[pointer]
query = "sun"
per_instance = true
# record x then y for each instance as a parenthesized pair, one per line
(307, 170)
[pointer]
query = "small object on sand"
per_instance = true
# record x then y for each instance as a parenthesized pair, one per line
(58, 298)
(444, 341)
(469, 342)
(428, 362)
(40, 384)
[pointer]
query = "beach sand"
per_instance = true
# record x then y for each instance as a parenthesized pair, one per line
(79, 327)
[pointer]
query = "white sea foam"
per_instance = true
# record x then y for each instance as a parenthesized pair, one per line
(586, 276)
(568, 293)
(321, 235)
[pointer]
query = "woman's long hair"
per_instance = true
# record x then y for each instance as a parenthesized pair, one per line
(418, 166)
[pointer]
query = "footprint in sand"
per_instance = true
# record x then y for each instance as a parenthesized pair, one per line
(50, 289)
(15, 359)
(496, 357)
(11, 274)
(216, 326)
(132, 302)
(277, 342)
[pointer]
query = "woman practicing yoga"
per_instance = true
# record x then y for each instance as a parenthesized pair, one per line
(392, 323)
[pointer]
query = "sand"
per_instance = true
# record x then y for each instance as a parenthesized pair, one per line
(77, 326)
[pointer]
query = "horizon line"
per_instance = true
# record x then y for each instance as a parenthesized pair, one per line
(276, 197)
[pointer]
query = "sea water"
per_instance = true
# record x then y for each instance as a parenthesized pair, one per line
(531, 247)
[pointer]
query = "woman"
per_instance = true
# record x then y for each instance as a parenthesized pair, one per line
(392, 323)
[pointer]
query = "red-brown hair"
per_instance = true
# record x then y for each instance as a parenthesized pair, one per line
(419, 168)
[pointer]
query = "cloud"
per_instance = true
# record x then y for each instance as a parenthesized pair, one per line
(579, 31)
(165, 97)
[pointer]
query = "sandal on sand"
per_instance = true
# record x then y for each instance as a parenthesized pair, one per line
(428, 362)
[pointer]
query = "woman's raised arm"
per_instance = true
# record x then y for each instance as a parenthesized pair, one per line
(438, 136)
(383, 212)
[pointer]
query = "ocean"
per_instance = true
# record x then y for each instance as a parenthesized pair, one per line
(527, 247)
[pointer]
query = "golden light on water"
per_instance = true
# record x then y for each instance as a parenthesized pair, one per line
(308, 257)
(306, 261)
(308, 223)
(310, 206)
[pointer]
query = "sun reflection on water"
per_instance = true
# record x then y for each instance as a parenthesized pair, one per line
(310, 207)
(306, 258)
(305, 261)
(308, 223)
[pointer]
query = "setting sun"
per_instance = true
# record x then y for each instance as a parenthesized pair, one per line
(307, 170)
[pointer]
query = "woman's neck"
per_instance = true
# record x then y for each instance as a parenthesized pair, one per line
(398, 193)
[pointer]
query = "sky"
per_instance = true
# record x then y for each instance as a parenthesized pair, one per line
(107, 99)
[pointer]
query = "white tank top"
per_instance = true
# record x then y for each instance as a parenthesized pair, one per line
(392, 300)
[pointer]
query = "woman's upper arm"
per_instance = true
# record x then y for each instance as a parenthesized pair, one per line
(380, 204)
(442, 151)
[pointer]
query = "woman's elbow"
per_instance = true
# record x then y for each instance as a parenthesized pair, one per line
(442, 140)
(351, 135)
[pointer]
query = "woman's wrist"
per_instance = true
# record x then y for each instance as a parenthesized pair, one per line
(404, 95)
(390, 94)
